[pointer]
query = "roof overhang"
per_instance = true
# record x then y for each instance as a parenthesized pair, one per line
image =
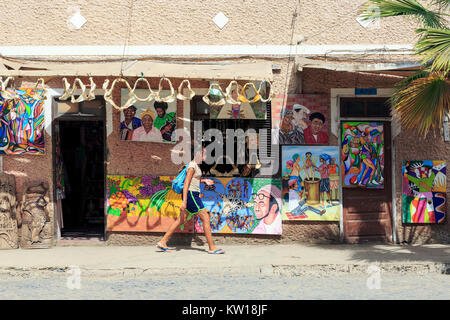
(253, 71)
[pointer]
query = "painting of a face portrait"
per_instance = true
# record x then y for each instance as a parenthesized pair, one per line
(424, 191)
(148, 121)
(22, 123)
(244, 110)
(242, 205)
(300, 119)
(362, 147)
(310, 180)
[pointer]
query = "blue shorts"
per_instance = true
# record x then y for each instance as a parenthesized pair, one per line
(194, 204)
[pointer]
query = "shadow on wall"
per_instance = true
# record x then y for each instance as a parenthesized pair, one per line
(424, 234)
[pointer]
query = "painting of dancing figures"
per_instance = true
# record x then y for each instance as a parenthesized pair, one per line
(362, 156)
(310, 183)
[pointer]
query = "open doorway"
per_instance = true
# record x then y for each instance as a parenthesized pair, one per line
(80, 145)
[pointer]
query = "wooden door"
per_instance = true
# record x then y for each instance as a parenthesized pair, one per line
(367, 211)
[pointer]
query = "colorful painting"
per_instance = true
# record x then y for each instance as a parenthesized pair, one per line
(424, 191)
(242, 205)
(148, 121)
(362, 147)
(300, 119)
(142, 204)
(22, 122)
(310, 180)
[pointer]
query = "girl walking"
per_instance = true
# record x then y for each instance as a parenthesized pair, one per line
(192, 204)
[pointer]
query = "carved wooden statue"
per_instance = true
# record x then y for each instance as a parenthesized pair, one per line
(8, 221)
(37, 231)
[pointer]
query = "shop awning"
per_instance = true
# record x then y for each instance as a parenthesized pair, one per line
(253, 71)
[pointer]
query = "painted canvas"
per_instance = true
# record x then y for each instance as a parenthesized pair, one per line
(424, 191)
(22, 123)
(310, 180)
(148, 121)
(362, 155)
(243, 205)
(142, 204)
(300, 119)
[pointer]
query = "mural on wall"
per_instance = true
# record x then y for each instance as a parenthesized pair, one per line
(242, 110)
(8, 219)
(142, 203)
(37, 231)
(424, 191)
(300, 119)
(22, 122)
(362, 155)
(310, 180)
(148, 121)
(242, 205)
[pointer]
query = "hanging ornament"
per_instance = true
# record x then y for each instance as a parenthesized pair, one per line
(108, 94)
(151, 95)
(180, 95)
(271, 95)
(42, 94)
(91, 94)
(215, 96)
(242, 96)
(170, 98)
(229, 93)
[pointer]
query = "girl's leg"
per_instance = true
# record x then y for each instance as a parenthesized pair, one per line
(172, 228)
(204, 216)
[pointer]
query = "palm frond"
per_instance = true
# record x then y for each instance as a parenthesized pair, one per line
(444, 4)
(434, 44)
(391, 8)
(423, 104)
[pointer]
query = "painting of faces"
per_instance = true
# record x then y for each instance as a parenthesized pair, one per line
(148, 121)
(303, 119)
(310, 181)
(242, 205)
(424, 191)
(362, 156)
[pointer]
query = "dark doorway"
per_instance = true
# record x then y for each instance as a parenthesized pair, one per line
(81, 144)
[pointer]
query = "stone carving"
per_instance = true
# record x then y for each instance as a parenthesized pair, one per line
(8, 221)
(35, 214)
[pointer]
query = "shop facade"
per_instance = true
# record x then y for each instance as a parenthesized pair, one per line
(99, 157)
(328, 63)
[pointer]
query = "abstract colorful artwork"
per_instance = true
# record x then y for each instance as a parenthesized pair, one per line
(148, 121)
(242, 205)
(300, 119)
(362, 154)
(310, 180)
(22, 122)
(142, 203)
(424, 191)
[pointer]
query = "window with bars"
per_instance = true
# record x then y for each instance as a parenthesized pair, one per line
(365, 108)
(200, 112)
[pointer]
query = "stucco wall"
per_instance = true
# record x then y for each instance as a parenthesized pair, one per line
(186, 22)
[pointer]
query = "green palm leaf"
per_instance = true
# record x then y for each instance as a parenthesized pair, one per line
(434, 45)
(391, 8)
(423, 103)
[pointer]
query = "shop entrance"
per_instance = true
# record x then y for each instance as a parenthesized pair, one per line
(366, 158)
(79, 154)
